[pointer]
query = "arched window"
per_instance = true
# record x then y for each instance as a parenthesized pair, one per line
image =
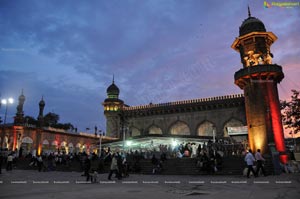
(155, 130)
(180, 128)
(205, 129)
(135, 132)
(231, 123)
(27, 140)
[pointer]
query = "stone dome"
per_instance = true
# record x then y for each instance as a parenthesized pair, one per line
(42, 102)
(113, 90)
(251, 24)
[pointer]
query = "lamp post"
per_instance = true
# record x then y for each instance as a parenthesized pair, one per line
(6, 102)
(214, 138)
(214, 134)
(100, 143)
(124, 139)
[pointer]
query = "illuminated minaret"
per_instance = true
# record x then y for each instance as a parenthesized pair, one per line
(259, 78)
(19, 118)
(41, 112)
(112, 107)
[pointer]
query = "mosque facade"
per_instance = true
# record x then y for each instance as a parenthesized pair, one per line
(257, 111)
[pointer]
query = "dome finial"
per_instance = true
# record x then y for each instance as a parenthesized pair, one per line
(113, 79)
(249, 13)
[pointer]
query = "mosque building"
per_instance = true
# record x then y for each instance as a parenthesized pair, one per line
(254, 115)
(38, 139)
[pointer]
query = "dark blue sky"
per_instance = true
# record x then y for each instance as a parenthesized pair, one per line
(158, 50)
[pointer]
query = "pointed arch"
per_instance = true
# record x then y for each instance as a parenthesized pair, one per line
(45, 142)
(134, 131)
(27, 140)
(180, 128)
(205, 128)
(232, 122)
(154, 130)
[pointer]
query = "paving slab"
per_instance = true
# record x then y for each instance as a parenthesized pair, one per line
(33, 184)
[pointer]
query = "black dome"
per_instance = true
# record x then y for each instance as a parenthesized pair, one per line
(113, 90)
(251, 24)
(42, 103)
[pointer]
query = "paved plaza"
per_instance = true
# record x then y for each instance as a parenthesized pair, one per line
(32, 184)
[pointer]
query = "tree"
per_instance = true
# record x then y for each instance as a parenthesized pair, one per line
(291, 113)
(51, 119)
(30, 120)
(65, 126)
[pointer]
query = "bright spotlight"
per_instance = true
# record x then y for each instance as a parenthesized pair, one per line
(128, 143)
(4, 101)
(174, 143)
(10, 100)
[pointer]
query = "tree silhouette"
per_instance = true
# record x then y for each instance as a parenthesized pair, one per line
(51, 119)
(291, 113)
(30, 120)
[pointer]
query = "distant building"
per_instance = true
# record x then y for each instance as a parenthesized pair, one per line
(38, 139)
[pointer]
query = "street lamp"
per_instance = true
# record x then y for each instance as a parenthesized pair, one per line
(100, 143)
(6, 102)
(214, 133)
(214, 138)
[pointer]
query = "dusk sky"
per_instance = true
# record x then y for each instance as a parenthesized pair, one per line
(158, 50)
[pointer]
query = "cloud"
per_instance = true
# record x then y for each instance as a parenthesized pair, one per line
(159, 51)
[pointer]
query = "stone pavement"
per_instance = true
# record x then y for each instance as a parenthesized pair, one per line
(32, 184)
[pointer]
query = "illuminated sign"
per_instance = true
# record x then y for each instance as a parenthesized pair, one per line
(237, 130)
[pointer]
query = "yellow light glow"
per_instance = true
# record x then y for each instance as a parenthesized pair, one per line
(39, 149)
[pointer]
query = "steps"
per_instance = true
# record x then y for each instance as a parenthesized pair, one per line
(187, 166)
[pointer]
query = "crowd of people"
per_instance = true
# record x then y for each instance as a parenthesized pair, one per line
(208, 158)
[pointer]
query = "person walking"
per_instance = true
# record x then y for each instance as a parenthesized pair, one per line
(114, 167)
(249, 159)
(259, 161)
(9, 162)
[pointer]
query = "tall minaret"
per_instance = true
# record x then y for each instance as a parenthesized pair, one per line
(112, 109)
(19, 118)
(259, 78)
(41, 113)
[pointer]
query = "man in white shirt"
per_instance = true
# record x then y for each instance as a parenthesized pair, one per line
(249, 159)
(259, 160)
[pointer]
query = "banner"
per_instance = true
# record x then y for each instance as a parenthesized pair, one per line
(237, 130)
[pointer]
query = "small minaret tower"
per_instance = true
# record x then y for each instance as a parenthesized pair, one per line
(259, 78)
(19, 118)
(112, 109)
(41, 112)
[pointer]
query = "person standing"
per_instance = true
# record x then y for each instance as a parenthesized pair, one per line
(87, 167)
(9, 162)
(154, 162)
(113, 167)
(259, 161)
(249, 159)
(39, 163)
